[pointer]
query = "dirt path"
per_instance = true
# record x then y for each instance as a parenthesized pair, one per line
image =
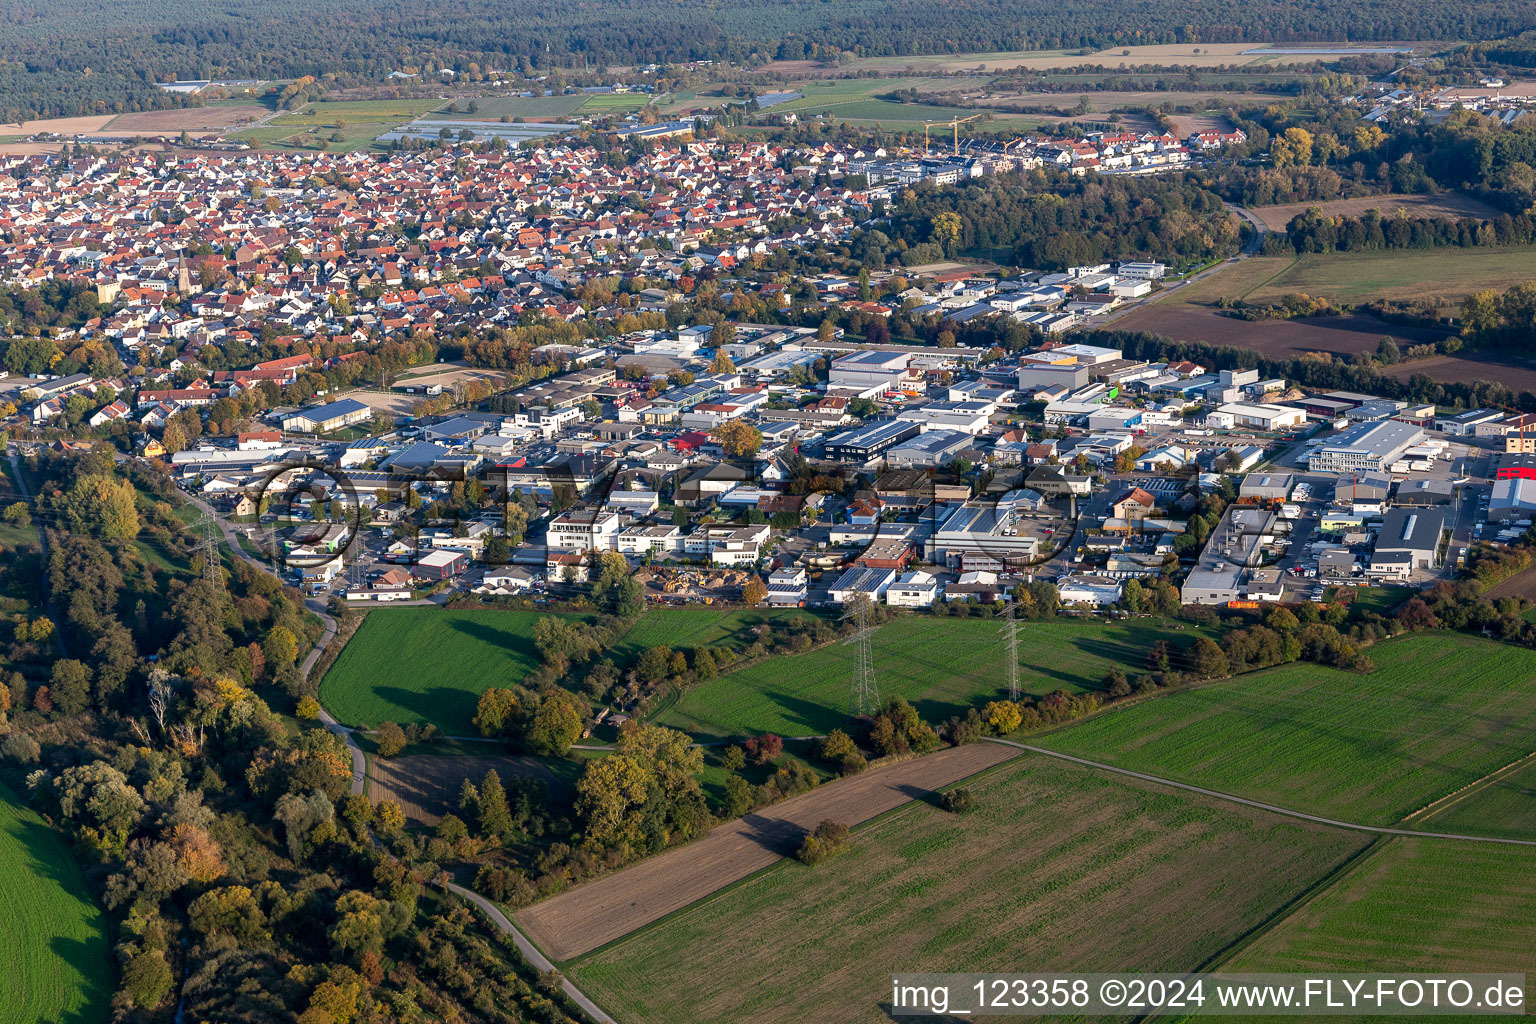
(530, 952)
(592, 915)
(1381, 830)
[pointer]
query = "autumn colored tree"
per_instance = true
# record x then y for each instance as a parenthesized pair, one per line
(390, 738)
(739, 439)
(1003, 716)
(765, 748)
(494, 711)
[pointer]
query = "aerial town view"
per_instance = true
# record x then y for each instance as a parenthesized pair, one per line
(766, 511)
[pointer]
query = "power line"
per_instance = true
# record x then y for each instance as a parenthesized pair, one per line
(1010, 632)
(864, 694)
(208, 547)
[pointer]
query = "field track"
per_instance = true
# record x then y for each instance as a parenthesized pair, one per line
(1319, 819)
(595, 914)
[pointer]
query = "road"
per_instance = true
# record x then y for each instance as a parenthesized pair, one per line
(327, 622)
(1251, 249)
(1271, 808)
(531, 952)
(42, 540)
(359, 773)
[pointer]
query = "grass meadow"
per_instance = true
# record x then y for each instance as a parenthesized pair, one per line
(1363, 276)
(1440, 711)
(685, 628)
(941, 665)
(1056, 865)
(425, 664)
(55, 963)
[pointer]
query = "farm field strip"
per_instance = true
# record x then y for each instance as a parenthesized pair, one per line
(1441, 204)
(1439, 712)
(1056, 865)
(599, 912)
(1413, 905)
(941, 665)
(1503, 806)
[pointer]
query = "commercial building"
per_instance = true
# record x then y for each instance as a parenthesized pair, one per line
(971, 417)
(913, 590)
(1424, 493)
(1409, 540)
(1267, 486)
(1516, 467)
(1035, 376)
(658, 541)
(787, 587)
(1465, 424)
(1371, 446)
(868, 369)
(1512, 498)
(934, 448)
(1363, 488)
(440, 564)
(869, 440)
(322, 419)
(1263, 417)
(584, 530)
(1233, 549)
(858, 581)
(1098, 591)
(981, 536)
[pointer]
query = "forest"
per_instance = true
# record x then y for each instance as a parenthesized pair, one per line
(1051, 223)
(73, 57)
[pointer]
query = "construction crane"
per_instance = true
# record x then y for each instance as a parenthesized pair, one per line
(954, 124)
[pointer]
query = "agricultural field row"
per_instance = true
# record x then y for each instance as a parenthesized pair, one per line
(1440, 711)
(1056, 866)
(943, 666)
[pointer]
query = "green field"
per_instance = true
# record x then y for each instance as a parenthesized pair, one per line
(1056, 868)
(358, 121)
(489, 108)
(686, 628)
(1413, 905)
(428, 665)
(942, 665)
(609, 103)
(1399, 274)
(12, 536)
(53, 941)
(1506, 807)
(858, 99)
(1441, 711)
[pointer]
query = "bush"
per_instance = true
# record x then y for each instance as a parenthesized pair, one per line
(829, 839)
(765, 748)
(733, 758)
(839, 749)
(21, 748)
(958, 801)
(391, 739)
